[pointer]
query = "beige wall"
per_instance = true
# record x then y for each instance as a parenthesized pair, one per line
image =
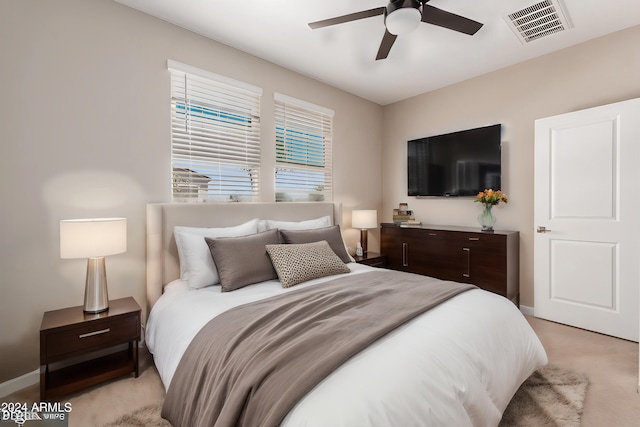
(599, 72)
(84, 131)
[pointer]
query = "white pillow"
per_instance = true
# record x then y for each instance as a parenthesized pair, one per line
(321, 222)
(196, 264)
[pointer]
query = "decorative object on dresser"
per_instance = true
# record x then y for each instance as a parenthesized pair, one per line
(462, 254)
(93, 239)
(489, 198)
(364, 219)
(78, 350)
(403, 215)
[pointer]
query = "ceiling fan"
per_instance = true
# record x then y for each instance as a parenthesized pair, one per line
(402, 17)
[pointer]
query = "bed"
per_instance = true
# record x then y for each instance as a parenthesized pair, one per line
(456, 363)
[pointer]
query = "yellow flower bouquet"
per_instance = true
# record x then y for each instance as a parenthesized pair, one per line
(491, 197)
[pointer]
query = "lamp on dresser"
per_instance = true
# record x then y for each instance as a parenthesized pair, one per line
(93, 238)
(364, 220)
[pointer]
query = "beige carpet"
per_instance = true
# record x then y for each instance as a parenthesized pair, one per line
(148, 416)
(551, 397)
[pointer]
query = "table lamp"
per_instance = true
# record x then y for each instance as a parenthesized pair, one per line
(364, 219)
(93, 238)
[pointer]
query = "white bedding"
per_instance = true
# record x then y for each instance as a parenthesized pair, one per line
(458, 364)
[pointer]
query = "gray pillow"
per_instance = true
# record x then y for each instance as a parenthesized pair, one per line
(297, 263)
(331, 234)
(242, 261)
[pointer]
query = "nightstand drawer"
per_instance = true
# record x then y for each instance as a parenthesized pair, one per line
(87, 337)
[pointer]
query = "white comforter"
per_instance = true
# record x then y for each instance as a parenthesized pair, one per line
(458, 364)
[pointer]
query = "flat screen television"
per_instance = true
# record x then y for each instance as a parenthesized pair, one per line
(455, 164)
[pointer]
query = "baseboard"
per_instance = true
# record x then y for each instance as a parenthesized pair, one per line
(17, 384)
(526, 310)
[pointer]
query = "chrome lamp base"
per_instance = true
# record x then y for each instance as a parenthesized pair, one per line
(96, 299)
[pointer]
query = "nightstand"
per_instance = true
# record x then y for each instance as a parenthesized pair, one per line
(78, 350)
(373, 259)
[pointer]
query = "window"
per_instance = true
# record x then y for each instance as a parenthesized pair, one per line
(215, 136)
(303, 150)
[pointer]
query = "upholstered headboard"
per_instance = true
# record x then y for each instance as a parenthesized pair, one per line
(162, 255)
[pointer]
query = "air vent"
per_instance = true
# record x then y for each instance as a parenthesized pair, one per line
(539, 20)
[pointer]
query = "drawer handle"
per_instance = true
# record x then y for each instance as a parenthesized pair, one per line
(90, 334)
(474, 238)
(468, 252)
(405, 261)
(433, 234)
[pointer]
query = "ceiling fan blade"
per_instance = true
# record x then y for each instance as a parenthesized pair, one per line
(441, 18)
(348, 18)
(385, 45)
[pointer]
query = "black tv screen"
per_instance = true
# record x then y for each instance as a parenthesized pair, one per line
(455, 164)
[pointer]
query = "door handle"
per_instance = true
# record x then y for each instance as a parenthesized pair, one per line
(542, 229)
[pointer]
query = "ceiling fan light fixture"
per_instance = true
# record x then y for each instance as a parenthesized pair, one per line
(403, 17)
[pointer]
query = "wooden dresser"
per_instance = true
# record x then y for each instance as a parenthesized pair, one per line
(489, 260)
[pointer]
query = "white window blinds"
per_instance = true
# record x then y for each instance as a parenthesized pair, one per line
(215, 136)
(304, 135)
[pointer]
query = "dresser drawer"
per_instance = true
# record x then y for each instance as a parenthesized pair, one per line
(92, 335)
(484, 242)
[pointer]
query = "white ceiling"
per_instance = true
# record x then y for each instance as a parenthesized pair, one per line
(343, 55)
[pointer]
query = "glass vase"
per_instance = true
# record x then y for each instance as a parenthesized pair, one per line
(486, 218)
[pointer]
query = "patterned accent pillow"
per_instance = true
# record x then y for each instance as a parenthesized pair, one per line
(297, 263)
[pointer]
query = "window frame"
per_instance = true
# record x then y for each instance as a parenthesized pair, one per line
(303, 150)
(215, 136)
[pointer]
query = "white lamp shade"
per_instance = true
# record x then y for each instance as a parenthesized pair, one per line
(364, 219)
(403, 21)
(93, 237)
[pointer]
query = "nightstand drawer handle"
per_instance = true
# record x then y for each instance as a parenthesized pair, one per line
(474, 238)
(90, 334)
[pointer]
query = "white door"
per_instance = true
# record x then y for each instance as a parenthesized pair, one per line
(587, 219)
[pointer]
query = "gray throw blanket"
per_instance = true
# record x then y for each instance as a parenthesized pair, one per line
(250, 365)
